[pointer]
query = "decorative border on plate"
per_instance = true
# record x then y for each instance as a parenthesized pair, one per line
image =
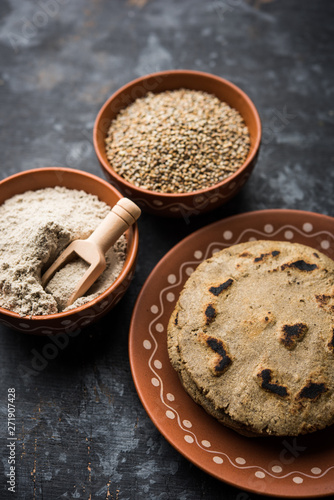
(326, 242)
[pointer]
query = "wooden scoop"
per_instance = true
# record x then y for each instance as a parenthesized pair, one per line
(93, 249)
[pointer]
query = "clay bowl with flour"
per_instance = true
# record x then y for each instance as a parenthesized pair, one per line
(72, 321)
(180, 204)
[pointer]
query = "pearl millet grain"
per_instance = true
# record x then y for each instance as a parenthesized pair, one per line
(177, 141)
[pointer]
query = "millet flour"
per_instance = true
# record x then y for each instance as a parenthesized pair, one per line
(34, 229)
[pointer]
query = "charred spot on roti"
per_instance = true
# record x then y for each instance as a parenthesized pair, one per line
(322, 299)
(301, 265)
(274, 253)
(291, 334)
(258, 259)
(217, 290)
(222, 360)
(312, 391)
(266, 383)
(210, 314)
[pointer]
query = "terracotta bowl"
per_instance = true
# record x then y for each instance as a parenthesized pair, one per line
(179, 204)
(70, 322)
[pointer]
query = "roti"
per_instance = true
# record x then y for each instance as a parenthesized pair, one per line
(252, 340)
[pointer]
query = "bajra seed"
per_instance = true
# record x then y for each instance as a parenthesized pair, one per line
(177, 141)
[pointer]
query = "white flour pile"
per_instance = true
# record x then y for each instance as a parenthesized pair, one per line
(34, 228)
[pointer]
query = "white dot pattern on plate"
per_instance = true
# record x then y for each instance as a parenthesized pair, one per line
(159, 327)
(316, 470)
(215, 250)
(297, 480)
(170, 396)
(240, 460)
(288, 235)
(171, 279)
(232, 185)
(218, 460)
(198, 254)
(227, 235)
(206, 443)
(23, 325)
(147, 344)
(154, 309)
(155, 382)
(325, 244)
(158, 364)
(170, 415)
(157, 203)
(268, 228)
(277, 469)
(307, 227)
(187, 423)
(170, 297)
(188, 439)
(252, 238)
(189, 271)
(260, 474)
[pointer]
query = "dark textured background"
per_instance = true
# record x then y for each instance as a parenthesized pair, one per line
(82, 431)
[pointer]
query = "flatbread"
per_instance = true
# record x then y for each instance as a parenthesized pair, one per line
(252, 338)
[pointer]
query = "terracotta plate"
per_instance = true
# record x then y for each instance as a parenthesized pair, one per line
(291, 467)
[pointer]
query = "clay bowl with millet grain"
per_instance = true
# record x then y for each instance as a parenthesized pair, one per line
(70, 322)
(188, 203)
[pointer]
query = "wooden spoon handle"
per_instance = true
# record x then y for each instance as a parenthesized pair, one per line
(121, 217)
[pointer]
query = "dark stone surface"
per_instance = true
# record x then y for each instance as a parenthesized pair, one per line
(82, 431)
